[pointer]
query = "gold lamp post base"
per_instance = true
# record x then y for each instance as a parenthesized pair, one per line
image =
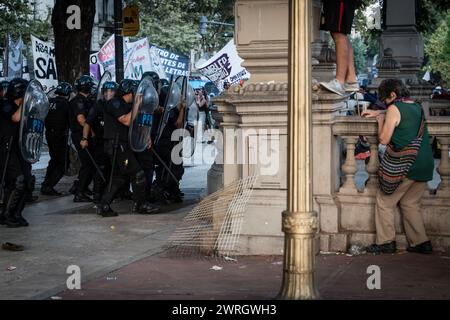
(298, 268)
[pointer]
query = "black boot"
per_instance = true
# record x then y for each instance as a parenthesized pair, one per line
(21, 220)
(49, 191)
(12, 203)
(105, 211)
(146, 208)
(81, 198)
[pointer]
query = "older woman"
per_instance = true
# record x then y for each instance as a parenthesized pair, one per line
(403, 128)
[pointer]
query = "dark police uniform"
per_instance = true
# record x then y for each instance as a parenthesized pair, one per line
(96, 121)
(164, 180)
(81, 105)
(126, 164)
(57, 126)
(18, 180)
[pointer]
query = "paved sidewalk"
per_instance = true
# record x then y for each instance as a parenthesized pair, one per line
(403, 276)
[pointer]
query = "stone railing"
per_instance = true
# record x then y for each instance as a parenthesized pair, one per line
(350, 128)
(357, 205)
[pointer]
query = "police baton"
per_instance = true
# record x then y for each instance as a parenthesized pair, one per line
(100, 173)
(5, 167)
(66, 152)
(165, 166)
(114, 159)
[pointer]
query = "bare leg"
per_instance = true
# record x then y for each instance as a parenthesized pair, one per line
(342, 56)
(351, 73)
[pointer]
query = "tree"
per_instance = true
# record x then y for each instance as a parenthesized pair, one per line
(17, 19)
(175, 24)
(438, 49)
(72, 46)
(360, 49)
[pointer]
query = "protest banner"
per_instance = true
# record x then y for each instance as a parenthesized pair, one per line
(224, 67)
(95, 67)
(140, 57)
(107, 56)
(173, 63)
(137, 59)
(44, 63)
(15, 58)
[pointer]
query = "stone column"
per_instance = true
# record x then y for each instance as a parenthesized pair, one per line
(350, 168)
(388, 68)
(299, 221)
(373, 166)
(261, 38)
(444, 166)
(402, 37)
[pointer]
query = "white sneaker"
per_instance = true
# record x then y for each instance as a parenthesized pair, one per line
(351, 87)
(334, 86)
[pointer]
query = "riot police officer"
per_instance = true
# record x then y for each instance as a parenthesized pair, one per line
(3, 90)
(169, 187)
(145, 158)
(18, 172)
(57, 127)
(95, 127)
(117, 118)
(78, 111)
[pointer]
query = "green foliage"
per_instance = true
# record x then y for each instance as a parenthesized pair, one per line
(360, 49)
(175, 24)
(432, 12)
(438, 49)
(370, 37)
(17, 18)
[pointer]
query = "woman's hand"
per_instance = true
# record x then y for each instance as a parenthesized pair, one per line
(371, 113)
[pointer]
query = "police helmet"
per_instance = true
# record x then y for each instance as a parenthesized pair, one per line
(16, 88)
(154, 76)
(85, 84)
(110, 85)
(64, 89)
(126, 86)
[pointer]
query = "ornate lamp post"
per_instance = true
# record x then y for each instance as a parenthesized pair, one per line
(299, 221)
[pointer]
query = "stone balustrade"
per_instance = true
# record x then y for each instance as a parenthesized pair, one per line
(357, 205)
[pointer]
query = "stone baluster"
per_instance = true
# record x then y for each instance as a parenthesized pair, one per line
(350, 167)
(444, 166)
(373, 165)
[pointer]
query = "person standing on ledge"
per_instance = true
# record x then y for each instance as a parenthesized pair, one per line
(337, 17)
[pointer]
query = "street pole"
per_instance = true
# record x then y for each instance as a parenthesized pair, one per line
(299, 221)
(118, 39)
(6, 57)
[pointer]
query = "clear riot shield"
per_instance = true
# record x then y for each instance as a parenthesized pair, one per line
(190, 123)
(34, 111)
(145, 102)
(172, 101)
(105, 78)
